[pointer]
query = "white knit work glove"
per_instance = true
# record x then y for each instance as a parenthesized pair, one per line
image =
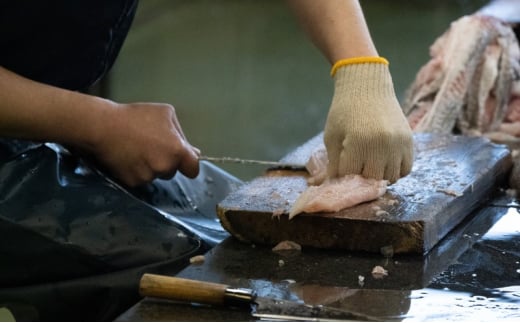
(366, 131)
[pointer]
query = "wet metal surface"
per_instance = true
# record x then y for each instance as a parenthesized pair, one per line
(471, 275)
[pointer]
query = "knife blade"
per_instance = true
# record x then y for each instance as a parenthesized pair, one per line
(269, 163)
(201, 292)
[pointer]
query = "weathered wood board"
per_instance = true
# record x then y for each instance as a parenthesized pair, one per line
(452, 175)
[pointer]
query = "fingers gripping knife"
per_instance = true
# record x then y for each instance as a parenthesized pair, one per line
(193, 291)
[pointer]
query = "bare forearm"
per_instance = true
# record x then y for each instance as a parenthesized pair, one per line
(337, 27)
(35, 111)
(135, 142)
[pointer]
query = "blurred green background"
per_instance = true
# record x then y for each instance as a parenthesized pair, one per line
(244, 79)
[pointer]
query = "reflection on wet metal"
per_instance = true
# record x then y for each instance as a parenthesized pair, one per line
(434, 305)
(507, 228)
(471, 291)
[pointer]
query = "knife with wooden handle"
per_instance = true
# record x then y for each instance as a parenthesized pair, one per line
(194, 291)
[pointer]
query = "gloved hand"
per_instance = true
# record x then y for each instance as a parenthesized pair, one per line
(366, 131)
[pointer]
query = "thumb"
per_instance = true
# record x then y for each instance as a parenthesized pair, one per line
(189, 164)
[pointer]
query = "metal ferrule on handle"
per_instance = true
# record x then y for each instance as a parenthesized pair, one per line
(239, 297)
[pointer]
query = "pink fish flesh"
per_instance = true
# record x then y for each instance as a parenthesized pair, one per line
(337, 194)
(317, 166)
(471, 82)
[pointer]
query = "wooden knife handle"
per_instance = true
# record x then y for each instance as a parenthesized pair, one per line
(181, 289)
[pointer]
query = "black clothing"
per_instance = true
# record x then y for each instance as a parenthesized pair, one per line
(66, 43)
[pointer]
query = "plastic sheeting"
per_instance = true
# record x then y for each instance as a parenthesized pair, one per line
(74, 244)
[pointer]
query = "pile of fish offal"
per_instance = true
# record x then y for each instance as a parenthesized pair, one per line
(471, 84)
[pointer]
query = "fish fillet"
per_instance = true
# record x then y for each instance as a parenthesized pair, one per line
(337, 194)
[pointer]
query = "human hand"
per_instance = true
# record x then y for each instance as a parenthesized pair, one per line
(366, 132)
(139, 142)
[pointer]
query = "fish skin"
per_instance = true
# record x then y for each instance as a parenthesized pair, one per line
(474, 116)
(463, 50)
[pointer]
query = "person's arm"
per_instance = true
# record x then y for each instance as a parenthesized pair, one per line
(134, 142)
(337, 27)
(366, 132)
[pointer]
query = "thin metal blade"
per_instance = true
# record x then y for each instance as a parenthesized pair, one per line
(275, 309)
(271, 164)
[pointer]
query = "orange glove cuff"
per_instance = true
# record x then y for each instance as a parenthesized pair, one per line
(357, 60)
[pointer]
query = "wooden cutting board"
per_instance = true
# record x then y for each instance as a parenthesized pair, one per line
(452, 176)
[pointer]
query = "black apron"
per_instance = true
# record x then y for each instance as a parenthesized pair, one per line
(69, 44)
(73, 243)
